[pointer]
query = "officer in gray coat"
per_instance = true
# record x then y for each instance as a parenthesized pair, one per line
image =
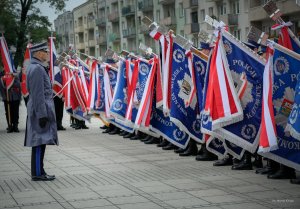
(41, 127)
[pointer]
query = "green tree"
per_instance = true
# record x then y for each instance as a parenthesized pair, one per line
(29, 19)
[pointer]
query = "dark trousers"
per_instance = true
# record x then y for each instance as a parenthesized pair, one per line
(14, 112)
(26, 100)
(37, 160)
(59, 109)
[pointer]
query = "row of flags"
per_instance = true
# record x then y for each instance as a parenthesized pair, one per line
(233, 100)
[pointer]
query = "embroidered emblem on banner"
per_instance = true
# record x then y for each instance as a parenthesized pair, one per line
(144, 69)
(248, 131)
(284, 107)
(217, 143)
(125, 95)
(179, 135)
(294, 114)
(281, 66)
(197, 126)
(227, 46)
(178, 56)
(112, 77)
(118, 105)
(200, 67)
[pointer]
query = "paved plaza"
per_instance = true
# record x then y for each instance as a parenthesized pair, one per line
(98, 171)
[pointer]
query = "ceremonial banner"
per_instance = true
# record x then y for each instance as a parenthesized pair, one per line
(183, 112)
(247, 73)
(26, 63)
(285, 77)
(222, 105)
(110, 79)
(216, 146)
(162, 125)
(8, 64)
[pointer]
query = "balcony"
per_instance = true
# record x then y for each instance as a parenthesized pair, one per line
(91, 24)
(230, 19)
(114, 16)
(190, 4)
(144, 29)
(79, 29)
(102, 40)
(114, 37)
(128, 10)
(129, 33)
(165, 2)
(80, 46)
(168, 21)
(192, 28)
(145, 5)
(101, 4)
(101, 22)
(92, 43)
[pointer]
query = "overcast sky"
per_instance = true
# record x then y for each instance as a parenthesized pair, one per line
(50, 12)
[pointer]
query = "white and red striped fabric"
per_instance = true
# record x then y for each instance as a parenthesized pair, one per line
(26, 62)
(268, 136)
(8, 64)
(222, 103)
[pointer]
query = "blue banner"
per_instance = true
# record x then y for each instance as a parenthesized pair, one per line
(247, 74)
(119, 104)
(185, 117)
(285, 78)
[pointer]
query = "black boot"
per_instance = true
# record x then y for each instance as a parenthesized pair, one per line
(10, 129)
(115, 131)
(295, 181)
(227, 160)
(103, 127)
(191, 150)
(15, 128)
(283, 173)
(152, 140)
(139, 135)
(122, 133)
(170, 146)
(270, 168)
(128, 135)
(258, 161)
(109, 129)
(147, 138)
(163, 143)
(179, 150)
(246, 163)
(206, 155)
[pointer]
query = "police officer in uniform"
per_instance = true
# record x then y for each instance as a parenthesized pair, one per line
(41, 127)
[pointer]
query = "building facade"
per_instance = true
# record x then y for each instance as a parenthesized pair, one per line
(117, 24)
(64, 28)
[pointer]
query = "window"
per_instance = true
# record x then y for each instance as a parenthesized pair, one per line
(202, 14)
(210, 11)
(222, 9)
(237, 34)
(157, 15)
(181, 10)
(194, 17)
(236, 7)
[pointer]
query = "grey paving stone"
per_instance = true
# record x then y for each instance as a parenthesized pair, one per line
(249, 188)
(116, 193)
(90, 203)
(148, 205)
(80, 196)
(207, 192)
(44, 206)
(223, 199)
(172, 195)
(26, 194)
(158, 189)
(189, 202)
(9, 202)
(33, 200)
(288, 202)
(268, 195)
(194, 185)
(244, 206)
(126, 200)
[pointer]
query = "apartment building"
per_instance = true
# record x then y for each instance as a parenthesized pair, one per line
(64, 28)
(116, 24)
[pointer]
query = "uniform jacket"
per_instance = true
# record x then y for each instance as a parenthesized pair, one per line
(14, 93)
(40, 105)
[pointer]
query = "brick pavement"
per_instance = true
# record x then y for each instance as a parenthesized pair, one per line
(98, 171)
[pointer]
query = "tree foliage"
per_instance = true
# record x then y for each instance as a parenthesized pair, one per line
(22, 18)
